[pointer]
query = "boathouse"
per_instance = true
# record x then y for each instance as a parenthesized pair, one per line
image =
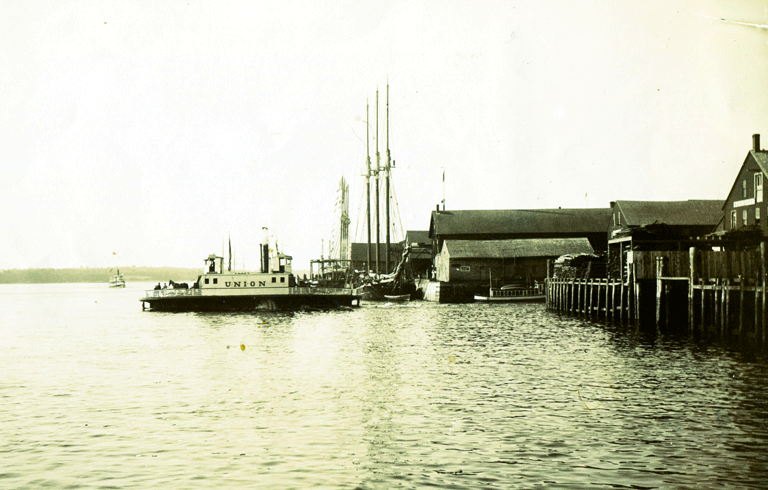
(745, 204)
(508, 224)
(501, 262)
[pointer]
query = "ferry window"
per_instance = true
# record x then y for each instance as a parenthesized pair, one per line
(757, 216)
(274, 279)
(733, 220)
(282, 279)
(215, 280)
(759, 187)
(744, 188)
(207, 280)
(744, 218)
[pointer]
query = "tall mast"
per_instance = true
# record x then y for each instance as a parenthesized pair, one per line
(368, 181)
(386, 176)
(378, 174)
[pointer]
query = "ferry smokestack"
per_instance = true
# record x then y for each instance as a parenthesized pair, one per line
(265, 251)
(756, 142)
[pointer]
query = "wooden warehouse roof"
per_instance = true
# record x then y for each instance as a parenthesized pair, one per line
(519, 221)
(693, 212)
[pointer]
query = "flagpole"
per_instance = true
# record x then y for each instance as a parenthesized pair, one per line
(443, 188)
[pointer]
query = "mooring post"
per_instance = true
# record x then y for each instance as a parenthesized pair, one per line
(691, 283)
(757, 308)
(659, 287)
(763, 265)
(728, 313)
(741, 306)
(717, 293)
(702, 287)
(548, 287)
(621, 300)
(636, 289)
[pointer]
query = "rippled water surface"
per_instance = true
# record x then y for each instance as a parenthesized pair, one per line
(95, 393)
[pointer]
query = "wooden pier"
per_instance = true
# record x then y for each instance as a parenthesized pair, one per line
(703, 291)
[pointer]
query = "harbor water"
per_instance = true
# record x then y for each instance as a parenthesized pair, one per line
(96, 393)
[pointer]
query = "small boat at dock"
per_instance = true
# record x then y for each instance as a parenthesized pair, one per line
(400, 298)
(512, 294)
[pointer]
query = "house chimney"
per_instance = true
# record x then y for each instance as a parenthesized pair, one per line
(756, 142)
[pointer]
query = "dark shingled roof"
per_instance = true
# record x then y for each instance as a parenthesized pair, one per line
(418, 236)
(509, 221)
(507, 249)
(694, 212)
(761, 157)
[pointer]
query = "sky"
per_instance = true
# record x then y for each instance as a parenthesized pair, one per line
(150, 133)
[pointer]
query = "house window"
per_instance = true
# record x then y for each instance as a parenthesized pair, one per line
(733, 220)
(744, 188)
(759, 187)
(744, 218)
(757, 216)
(618, 219)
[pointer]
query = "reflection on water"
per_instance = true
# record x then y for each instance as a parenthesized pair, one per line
(97, 393)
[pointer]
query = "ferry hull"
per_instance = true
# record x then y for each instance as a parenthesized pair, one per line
(249, 303)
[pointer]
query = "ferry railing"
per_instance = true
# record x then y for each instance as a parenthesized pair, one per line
(335, 291)
(168, 293)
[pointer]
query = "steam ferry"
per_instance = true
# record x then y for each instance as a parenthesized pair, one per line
(273, 287)
(117, 280)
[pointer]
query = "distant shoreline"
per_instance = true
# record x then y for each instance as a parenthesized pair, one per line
(97, 275)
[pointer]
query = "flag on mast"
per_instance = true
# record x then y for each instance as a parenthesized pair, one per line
(230, 252)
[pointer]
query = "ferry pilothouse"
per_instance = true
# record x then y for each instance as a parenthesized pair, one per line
(273, 287)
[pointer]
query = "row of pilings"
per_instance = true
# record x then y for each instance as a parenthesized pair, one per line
(703, 291)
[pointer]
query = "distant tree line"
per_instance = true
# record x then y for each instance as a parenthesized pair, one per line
(86, 275)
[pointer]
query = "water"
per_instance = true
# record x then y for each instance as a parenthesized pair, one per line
(95, 393)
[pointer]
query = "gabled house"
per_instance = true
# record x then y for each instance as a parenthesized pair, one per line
(745, 205)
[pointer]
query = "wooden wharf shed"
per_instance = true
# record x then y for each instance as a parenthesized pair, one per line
(507, 224)
(657, 225)
(501, 261)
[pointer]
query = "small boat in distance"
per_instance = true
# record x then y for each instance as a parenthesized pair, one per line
(117, 281)
(273, 287)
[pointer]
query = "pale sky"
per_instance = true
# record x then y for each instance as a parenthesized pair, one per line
(145, 133)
